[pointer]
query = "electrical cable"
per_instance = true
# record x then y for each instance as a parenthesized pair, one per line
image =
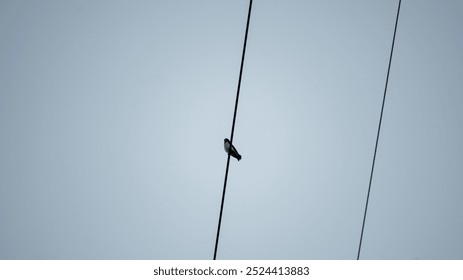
(233, 129)
(379, 130)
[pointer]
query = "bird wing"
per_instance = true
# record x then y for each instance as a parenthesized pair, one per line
(234, 150)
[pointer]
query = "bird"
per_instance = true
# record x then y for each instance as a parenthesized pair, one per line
(233, 152)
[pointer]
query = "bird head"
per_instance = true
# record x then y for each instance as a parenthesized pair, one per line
(226, 140)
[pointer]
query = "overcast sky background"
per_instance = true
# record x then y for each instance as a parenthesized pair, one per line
(113, 115)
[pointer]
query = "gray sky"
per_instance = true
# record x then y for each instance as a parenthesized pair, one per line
(113, 115)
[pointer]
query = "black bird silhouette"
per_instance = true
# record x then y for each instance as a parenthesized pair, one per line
(233, 152)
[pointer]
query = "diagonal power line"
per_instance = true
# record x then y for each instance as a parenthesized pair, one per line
(379, 130)
(233, 129)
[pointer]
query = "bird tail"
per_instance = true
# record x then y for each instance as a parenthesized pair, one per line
(239, 157)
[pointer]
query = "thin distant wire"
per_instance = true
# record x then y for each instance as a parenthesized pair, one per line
(379, 130)
(233, 129)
